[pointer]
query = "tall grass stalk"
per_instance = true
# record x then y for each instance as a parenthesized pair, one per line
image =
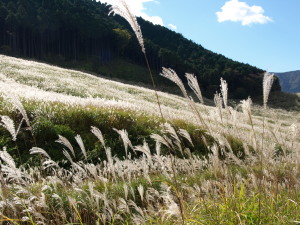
(121, 8)
(267, 86)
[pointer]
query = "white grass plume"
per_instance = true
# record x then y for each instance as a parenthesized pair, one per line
(193, 84)
(68, 156)
(219, 105)
(64, 141)
(224, 91)
(7, 158)
(98, 134)
(172, 76)
(121, 8)
(124, 136)
(36, 150)
(267, 85)
(184, 133)
(141, 191)
(144, 149)
(246, 107)
(9, 125)
(81, 145)
(16, 103)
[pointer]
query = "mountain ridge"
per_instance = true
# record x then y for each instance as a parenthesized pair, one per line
(289, 81)
(80, 34)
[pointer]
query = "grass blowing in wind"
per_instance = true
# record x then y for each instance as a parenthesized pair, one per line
(121, 8)
(205, 165)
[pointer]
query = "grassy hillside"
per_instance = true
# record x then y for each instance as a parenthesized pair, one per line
(206, 165)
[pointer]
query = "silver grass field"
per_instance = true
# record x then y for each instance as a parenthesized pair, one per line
(162, 184)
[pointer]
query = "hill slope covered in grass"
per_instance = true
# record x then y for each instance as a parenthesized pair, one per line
(80, 34)
(79, 149)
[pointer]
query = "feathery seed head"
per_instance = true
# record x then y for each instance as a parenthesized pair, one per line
(172, 76)
(124, 136)
(267, 85)
(81, 145)
(224, 91)
(121, 8)
(16, 103)
(64, 141)
(36, 150)
(7, 158)
(193, 83)
(98, 134)
(9, 125)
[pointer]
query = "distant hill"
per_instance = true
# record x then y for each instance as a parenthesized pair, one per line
(289, 81)
(80, 34)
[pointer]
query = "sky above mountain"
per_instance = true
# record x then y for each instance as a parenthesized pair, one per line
(262, 33)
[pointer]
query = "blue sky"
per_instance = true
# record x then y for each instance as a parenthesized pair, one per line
(262, 33)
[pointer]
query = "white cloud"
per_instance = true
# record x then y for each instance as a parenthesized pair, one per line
(172, 26)
(236, 11)
(138, 9)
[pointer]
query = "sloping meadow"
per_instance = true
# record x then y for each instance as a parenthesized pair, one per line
(80, 149)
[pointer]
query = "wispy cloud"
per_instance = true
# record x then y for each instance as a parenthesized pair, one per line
(236, 11)
(172, 26)
(137, 7)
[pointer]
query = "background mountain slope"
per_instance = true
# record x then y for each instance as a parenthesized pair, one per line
(80, 34)
(289, 81)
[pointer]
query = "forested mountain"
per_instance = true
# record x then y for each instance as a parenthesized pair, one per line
(289, 81)
(80, 33)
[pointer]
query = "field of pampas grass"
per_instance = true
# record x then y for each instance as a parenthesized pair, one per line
(79, 149)
(249, 174)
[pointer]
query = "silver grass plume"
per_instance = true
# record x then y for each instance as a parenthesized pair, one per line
(267, 85)
(9, 125)
(110, 161)
(64, 141)
(193, 84)
(162, 140)
(36, 150)
(50, 163)
(186, 135)
(81, 145)
(246, 107)
(168, 129)
(121, 8)
(219, 105)
(124, 136)
(172, 76)
(15, 101)
(141, 191)
(144, 149)
(158, 148)
(125, 187)
(67, 155)
(98, 134)
(224, 91)
(7, 158)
